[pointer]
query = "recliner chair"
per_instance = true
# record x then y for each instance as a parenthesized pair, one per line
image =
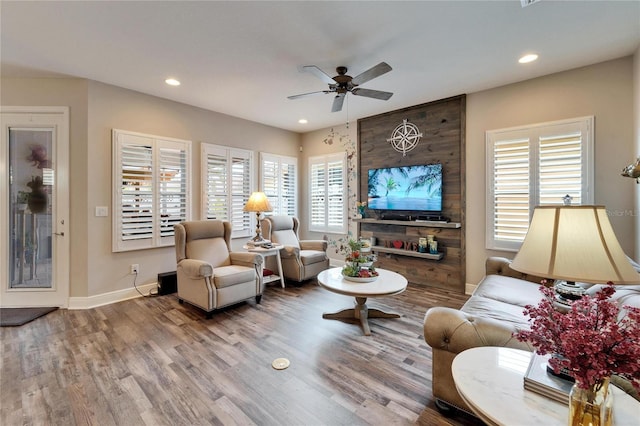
(210, 275)
(301, 259)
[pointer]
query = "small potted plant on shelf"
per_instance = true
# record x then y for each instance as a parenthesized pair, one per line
(358, 262)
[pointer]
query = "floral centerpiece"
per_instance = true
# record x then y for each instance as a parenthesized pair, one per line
(591, 342)
(358, 261)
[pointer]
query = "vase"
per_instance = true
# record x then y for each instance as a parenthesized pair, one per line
(591, 405)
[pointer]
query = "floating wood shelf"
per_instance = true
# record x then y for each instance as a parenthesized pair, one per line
(421, 223)
(402, 252)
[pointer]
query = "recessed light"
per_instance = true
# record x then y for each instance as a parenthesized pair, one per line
(172, 82)
(303, 121)
(528, 58)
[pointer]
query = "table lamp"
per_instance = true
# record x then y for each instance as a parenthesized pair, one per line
(573, 243)
(258, 202)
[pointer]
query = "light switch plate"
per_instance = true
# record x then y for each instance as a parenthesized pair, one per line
(102, 211)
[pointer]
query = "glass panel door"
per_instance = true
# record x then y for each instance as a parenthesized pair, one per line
(34, 206)
(31, 181)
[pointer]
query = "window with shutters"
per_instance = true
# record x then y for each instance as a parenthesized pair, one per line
(279, 182)
(327, 181)
(151, 189)
(535, 165)
(226, 186)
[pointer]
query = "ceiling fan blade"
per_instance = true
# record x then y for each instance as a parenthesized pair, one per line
(371, 73)
(319, 73)
(337, 102)
(304, 95)
(376, 94)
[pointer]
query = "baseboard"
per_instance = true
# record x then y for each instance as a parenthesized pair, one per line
(111, 297)
(469, 288)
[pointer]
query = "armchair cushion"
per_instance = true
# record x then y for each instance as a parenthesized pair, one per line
(309, 257)
(226, 276)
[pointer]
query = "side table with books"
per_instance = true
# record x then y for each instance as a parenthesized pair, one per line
(269, 249)
(491, 381)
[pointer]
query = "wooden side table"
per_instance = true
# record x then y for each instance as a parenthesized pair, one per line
(274, 250)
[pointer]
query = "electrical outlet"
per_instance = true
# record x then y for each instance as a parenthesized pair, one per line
(134, 268)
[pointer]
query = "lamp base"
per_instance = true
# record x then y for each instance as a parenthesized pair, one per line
(568, 291)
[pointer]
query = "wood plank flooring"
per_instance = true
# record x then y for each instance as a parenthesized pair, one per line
(152, 361)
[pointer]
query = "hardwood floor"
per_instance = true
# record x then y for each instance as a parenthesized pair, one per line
(152, 361)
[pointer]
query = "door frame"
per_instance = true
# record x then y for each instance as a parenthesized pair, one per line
(38, 116)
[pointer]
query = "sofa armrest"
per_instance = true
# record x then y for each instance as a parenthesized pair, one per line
(195, 269)
(496, 265)
(320, 245)
(455, 331)
(245, 259)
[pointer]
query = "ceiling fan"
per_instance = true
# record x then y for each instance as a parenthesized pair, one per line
(342, 84)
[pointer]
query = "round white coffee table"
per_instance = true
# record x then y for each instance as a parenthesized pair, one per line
(491, 381)
(388, 283)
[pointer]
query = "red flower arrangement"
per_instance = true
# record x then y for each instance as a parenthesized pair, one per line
(592, 339)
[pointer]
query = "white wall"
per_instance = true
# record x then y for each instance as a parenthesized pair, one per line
(112, 107)
(603, 90)
(326, 141)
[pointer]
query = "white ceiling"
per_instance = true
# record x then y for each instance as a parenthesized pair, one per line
(242, 58)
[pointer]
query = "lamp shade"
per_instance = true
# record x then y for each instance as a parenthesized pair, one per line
(574, 243)
(258, 202)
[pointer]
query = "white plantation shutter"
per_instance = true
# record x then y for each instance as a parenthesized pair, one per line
(172, 188)
(151, 189)
(279, 182)
(531, 166)
(560, 158)
(327, 181)
(226, 184)
(511, 186)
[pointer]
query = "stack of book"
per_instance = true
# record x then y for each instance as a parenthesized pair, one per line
(263, 243)
(538, 379)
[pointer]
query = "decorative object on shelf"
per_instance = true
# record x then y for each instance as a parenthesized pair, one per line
(592, 341)
(422, 245)
(38, 197)
(258, 203)
(355, 261)
(632, 170)
(576, 244)
(361, 206)
(405, 137)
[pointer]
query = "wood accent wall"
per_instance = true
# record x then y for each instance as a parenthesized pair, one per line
(442, 124)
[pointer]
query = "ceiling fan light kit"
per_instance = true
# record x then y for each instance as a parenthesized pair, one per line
(343, 83)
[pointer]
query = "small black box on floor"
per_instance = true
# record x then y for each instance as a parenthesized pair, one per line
(167, 283)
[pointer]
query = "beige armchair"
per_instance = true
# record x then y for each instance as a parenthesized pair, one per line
(210, 276)
(301, 259)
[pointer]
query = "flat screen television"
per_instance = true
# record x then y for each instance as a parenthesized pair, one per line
(408, 188)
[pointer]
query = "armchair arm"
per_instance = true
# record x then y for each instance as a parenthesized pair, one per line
(320, 245)
(454, 331)
(290, 251)
(196, 269)
(245, 259)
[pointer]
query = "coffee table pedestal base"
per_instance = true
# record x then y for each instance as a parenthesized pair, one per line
(362, 312)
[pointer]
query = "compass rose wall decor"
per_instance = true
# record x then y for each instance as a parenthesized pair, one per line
(405, 137)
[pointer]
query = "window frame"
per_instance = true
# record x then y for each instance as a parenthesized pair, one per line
(535, 133)
(155, 144)
(230, 156)
(275, 192)
(324, 161)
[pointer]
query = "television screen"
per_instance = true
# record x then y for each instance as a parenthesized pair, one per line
(415, 188)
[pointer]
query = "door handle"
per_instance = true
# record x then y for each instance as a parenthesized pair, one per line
(59, 233)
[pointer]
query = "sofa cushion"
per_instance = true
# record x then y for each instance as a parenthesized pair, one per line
(509, 290)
